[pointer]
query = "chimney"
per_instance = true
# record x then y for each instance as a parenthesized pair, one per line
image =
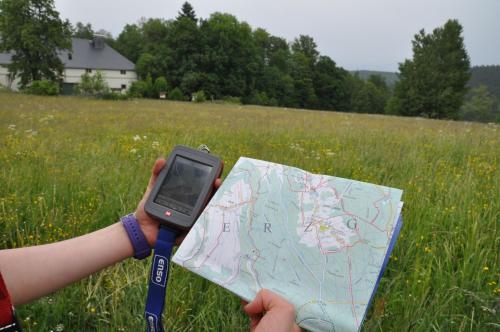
(98, 42)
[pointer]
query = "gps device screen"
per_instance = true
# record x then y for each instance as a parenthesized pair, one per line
(182, 185)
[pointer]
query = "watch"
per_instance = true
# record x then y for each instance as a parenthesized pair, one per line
(139, 242)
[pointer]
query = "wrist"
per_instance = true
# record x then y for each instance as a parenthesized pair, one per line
(142, 247)
(148, 226)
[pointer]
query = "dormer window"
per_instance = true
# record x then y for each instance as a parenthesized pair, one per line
(88, 71)
(123, 72)
(70, 56)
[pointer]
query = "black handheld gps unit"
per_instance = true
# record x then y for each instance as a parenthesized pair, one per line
(183, 187)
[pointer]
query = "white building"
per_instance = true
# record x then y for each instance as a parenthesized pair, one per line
(85, 56)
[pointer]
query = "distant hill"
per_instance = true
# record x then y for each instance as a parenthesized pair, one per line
(485, 75)
(390, 77)
(488, 76)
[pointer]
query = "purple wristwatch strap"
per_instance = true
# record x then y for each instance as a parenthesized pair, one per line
(139, 242)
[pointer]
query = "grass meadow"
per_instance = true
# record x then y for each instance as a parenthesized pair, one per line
(69, 166)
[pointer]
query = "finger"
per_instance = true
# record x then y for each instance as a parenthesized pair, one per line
(243, 303)
(157, 167)
(217, 183)
(159, 164)
(265, 300)
(296, 328)
(256, 306)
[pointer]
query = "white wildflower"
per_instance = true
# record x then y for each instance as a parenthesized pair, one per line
(47, 118)
(155, 144)
(59, 327)
(133, 151)
(31, 132)
(12, 127)
(136, 138)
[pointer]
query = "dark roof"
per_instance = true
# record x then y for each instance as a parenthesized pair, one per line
(4, 58)
(84, 55)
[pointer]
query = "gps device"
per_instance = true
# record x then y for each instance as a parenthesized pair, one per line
(183, 187)
(181, 191)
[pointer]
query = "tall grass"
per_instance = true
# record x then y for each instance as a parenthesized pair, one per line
(69, 166)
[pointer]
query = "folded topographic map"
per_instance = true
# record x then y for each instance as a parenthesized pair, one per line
(319, 241)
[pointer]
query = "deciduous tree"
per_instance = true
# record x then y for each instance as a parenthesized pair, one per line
(34, 32)
(130, 42)
(433, 83)
(84, 31)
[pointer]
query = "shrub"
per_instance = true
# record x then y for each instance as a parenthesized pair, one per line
(232, 100)
(150, 87)
(160, 86)
(176, 94)
(199, 96)
(114, 96)
(146, 88)
(92, 85)
(3, 88)
(261, 98)
(43, 88)
(138, 89)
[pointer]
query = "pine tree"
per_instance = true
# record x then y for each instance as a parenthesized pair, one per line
(433, 83)
(185, 44)
(187, 11)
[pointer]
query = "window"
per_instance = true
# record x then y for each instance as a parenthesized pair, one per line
(124, 86)
(70, 56)
(123, 72)
(88, 71)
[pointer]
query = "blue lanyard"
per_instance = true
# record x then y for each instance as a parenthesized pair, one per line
(158, 278)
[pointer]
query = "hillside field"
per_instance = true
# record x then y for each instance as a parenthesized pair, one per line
(69, 166)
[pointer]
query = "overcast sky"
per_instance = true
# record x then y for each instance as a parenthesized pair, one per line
(357, 34)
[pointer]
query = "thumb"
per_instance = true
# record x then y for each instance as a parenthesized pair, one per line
(256, 306)
(157, 167)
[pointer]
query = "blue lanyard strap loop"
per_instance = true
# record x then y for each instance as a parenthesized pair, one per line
(158, 279)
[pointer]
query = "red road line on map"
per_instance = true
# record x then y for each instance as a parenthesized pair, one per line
(216, 244)
(302, 207)
(223, 207)
(377, 208)
(350, 290)
(364, 220)
(327, 252)
(199, 248)
(319, 185)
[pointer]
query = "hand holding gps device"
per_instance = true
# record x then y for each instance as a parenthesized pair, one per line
(183, 187)
(181, 191)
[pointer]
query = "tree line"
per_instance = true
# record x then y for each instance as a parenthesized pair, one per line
(483, 98)
(223, 58)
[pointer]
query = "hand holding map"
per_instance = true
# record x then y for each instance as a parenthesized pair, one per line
(270, 312)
